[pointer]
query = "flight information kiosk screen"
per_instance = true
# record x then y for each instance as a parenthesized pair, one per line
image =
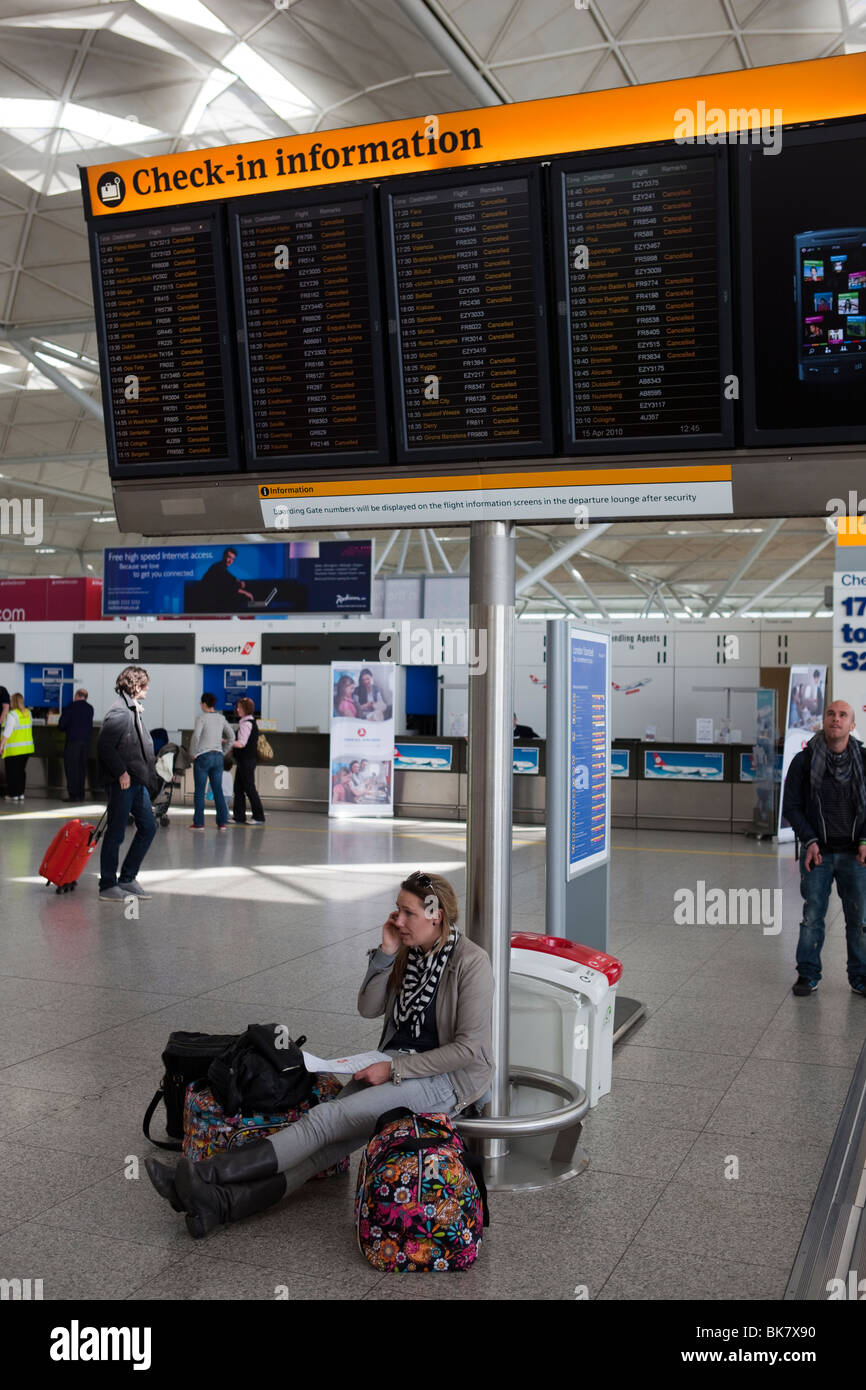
(162, 322)
(803, 272)
(466, 298)
(643, 281)
(308, 306)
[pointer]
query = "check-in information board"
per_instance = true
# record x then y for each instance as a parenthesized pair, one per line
(307, 292)
(644, 251)
(467, 291)
(164, 331)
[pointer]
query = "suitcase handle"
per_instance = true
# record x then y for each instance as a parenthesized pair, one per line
(160, 1143)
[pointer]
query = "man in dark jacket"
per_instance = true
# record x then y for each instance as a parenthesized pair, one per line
(825, 803)
(76, 721)
(126, 764)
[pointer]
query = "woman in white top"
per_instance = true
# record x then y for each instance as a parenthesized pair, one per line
(212, 737)
(16, 745)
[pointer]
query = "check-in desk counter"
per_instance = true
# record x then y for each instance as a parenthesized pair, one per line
(682, 786)
(430, 777)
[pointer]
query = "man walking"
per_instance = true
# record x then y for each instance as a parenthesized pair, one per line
(76, 721)
(127, 766)
(825, 802)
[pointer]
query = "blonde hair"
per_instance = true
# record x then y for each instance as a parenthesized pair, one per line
(426, 886)
(17, 701)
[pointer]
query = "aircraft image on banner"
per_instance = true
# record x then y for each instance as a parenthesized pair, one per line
(412, 760)
(525, 764)
(663, 769)
(632, 687)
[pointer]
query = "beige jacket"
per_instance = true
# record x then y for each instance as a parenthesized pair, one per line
(464, 1020)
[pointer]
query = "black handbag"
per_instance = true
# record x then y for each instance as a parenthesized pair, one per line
(186, 1058)
(263, 1072)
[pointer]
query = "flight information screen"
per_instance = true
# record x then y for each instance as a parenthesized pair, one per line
(308, 304)
(467, 310)
(162, 322)
(642, 262)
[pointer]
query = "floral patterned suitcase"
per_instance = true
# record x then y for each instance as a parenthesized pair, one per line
(418, 1206)
(207, 1130)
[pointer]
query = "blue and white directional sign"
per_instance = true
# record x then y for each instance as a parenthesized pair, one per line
(589, 749)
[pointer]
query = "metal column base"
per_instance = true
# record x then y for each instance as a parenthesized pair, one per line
(627, 1013)
(542, 1148)
(529, 1166)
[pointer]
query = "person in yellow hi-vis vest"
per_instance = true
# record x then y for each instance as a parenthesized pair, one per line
(16, 745)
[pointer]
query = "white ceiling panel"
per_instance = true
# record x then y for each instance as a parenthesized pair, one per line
(549, 26)
(662, 62)
(481, 24)
(562, 76)
(677, 17)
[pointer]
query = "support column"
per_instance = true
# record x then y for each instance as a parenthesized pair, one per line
(489, 800)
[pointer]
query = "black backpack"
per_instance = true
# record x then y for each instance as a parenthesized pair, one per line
(186, 1058)
(262, 1072)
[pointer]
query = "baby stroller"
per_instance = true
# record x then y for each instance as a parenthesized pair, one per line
(171, 759)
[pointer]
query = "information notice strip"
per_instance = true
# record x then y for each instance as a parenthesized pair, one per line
(471, 355)
(693, 489)
(314, 370)
(163, 300)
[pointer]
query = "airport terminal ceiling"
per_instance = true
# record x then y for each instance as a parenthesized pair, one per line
(84, 86)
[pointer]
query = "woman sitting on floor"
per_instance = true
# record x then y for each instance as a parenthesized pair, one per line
(435, 988)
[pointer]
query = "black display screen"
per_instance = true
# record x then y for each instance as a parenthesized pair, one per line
(467, 307)
(642, 268)
(163, 331)
(803, 270)
(308, 304)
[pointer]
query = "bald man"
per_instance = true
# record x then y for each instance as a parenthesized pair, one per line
(825, 802)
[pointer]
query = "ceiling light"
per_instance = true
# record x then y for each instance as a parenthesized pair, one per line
(190, 11)
(27, 113)
(275, 91)
(44, 550)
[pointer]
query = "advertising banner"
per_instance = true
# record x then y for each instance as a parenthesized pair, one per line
(362, 739)
(807, 691)
(763, 759)
(684, 767)
(589, 750)
(261, 580)
(39, 599)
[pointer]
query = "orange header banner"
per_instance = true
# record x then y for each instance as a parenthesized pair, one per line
(757, 102)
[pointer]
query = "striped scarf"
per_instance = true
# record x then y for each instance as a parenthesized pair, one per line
(420, 982)
(844, 769)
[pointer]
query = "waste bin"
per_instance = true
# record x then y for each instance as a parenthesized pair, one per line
(562, 1000)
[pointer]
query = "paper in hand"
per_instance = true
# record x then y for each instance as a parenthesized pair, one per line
(344, 1066)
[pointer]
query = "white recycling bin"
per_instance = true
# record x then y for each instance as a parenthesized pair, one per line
(562, 998)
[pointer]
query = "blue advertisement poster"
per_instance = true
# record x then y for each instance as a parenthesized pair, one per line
(422, 757)
(589, 750)
(619, 762)
(683, 767)
(264, 579)
(48, 686)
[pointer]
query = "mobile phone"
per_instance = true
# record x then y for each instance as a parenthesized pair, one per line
(830, 294)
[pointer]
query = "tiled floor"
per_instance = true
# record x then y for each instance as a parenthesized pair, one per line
(729, 1074)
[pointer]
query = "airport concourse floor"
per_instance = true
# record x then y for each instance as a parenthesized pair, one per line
(273, 924)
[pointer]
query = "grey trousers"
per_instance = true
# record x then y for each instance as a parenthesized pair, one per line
(330, 1131)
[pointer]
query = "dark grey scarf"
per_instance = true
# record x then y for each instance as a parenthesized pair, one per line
(844, 769)
(420, 982)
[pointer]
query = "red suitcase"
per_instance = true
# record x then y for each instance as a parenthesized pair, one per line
(68, 853)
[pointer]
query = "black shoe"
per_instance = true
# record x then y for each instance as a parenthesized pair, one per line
(210, 1203)
(804, 987)
(859, 987)
(162, 1178)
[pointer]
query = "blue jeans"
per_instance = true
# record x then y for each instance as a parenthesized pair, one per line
(135, 802)
(209, 766)
(815, 887)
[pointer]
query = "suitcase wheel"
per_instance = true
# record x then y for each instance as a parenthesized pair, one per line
(72, 887)
(163, 820)
(58, 890)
